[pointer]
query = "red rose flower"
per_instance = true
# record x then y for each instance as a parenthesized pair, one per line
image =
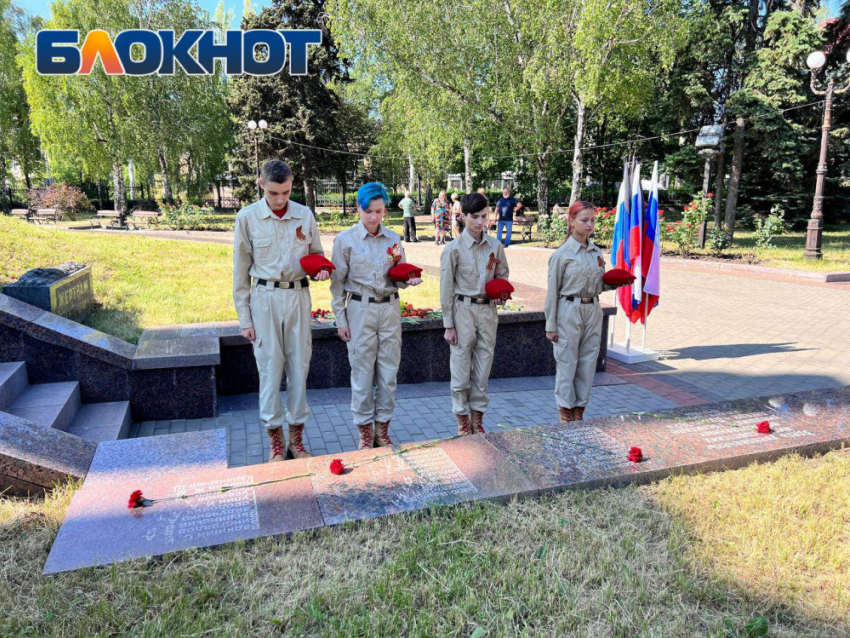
(337, 467)
(635, 455)
(136, 500)
(764, 427)
(710, 195)
(669, 228)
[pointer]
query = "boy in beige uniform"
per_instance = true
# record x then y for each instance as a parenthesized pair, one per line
(573, 313)
(468, 263)
(368, 314)
(271, 237)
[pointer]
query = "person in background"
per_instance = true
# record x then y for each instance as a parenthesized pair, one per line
(440, 217)
(408, 207)
(457, 217)
(505, 208)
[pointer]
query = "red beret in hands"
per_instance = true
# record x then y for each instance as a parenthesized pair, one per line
(314, 264)
(618, 277)
(405, 271)
(499, 289)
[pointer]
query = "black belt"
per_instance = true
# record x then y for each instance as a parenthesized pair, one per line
(479, 300)
(584, 300)
(305, 283)
(384, 299)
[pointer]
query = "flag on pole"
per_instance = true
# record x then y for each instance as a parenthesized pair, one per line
(620, 240)
(635, 230)
(651, 252)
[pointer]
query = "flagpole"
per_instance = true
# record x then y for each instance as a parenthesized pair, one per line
(645, 319)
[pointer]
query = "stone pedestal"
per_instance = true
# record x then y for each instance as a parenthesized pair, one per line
(65, 290)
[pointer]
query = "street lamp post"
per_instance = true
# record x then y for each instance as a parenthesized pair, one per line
(258, 130)
(814, 232)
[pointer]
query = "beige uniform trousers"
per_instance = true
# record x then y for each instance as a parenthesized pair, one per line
(284, 342)
(472, 357)
(374, 354)
(579, 334)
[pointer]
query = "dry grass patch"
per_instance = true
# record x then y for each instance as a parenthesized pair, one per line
(780, 531)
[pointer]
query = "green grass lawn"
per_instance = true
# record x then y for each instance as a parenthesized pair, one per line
(141, 282)
(687, 557)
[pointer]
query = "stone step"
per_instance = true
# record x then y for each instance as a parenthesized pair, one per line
(100, 422)
(13, 381)
(50, 404)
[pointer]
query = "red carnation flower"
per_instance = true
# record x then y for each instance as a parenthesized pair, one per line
(136, 500)
(635, 455)
(337, 467)
(764, 427)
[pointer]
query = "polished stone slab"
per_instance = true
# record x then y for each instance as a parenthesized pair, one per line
(226, 504)
(35, 458)
(179, 352)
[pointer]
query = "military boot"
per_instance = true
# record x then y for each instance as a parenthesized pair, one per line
(296, 449)
(382, 434)
(463, 426)
(366, 437)
(276, 438)
(566, 415)
(477, 422)
(578, 414)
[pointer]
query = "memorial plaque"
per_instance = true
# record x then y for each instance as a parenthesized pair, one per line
(65, 290)
(380, 482)
(564, 455)
(221, 505)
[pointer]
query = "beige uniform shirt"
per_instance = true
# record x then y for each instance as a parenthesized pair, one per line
(270, 248)
(466, 267)
(574, 271)
(362, 262)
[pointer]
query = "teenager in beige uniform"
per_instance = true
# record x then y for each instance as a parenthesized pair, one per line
(573, 313)
(468, 263)
(368, 314)
(271, 237)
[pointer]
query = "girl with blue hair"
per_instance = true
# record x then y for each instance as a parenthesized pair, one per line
(368, 313)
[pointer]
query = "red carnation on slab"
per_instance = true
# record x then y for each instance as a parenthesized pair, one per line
(337, 467)
(136, 500)
(635, 455)
(764, 427)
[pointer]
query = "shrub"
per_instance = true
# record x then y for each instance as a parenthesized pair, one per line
(718, 241)
(683, 233)
(184, 216)
(770, 227)
(67, 199)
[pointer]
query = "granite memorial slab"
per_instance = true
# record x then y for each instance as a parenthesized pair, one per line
(222, 505)
(65, 290)
(199, 502)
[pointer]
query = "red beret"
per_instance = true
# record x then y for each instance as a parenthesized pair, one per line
(314, 264)
(404, 271)
(618, 277)
(499, 289)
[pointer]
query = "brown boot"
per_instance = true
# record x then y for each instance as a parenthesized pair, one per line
(276, 438)
(296, 449)
(463, 426)
(366, 437)
(477, 422)
(382, 434)
(566, 415)
(578, 414)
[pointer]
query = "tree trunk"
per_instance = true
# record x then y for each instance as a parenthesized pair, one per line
(118, 192)
(718, 189)
(218, 192)
(735, 175)
(581, 127)
(411, 174)
(166, 183)
(542, 185)
(467, 169)
(309, 190)
(131, 173)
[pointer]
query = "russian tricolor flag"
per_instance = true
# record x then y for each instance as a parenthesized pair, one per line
(620, 240)
(651, 260)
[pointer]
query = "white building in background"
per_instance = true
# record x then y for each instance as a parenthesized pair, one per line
(454, 181)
